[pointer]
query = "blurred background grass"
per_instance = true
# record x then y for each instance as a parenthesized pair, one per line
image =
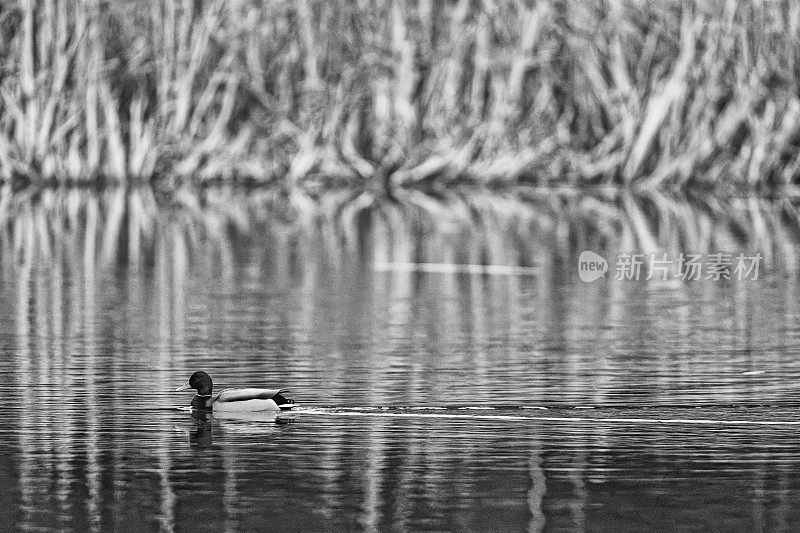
(379, 95)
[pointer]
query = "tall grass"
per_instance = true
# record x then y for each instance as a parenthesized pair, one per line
(377, 95)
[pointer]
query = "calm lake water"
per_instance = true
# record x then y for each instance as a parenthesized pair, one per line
(428, 401)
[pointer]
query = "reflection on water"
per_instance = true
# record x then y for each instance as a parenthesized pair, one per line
(692, 387)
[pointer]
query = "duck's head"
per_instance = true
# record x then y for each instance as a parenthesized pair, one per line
(199, 381)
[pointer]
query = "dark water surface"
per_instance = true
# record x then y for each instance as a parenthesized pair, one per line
(427, 401)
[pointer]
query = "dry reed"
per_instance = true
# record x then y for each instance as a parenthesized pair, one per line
(387, 94)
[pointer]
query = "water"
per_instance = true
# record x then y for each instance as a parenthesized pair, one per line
(428, 400)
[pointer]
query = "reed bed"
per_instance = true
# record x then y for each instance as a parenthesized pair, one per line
(377, 96)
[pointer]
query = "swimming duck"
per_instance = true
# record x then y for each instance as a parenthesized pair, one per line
(234, 400)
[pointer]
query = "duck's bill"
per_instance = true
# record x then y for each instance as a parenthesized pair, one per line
(185, 387)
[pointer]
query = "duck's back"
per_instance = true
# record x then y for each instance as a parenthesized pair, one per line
(251, 400)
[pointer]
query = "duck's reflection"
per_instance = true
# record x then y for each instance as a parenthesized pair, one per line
(201, 433)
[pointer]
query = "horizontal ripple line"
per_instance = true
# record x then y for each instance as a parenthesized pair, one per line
(617, 420)
(451, 268)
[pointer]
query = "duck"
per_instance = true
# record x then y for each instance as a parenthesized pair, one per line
(234, 400)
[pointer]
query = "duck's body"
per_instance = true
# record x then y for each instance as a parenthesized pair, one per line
(234, 400)
(241, 400)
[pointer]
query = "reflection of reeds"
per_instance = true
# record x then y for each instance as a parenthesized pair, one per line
(546, 341)
(227, 236)
(217, 230)
(395, 92)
